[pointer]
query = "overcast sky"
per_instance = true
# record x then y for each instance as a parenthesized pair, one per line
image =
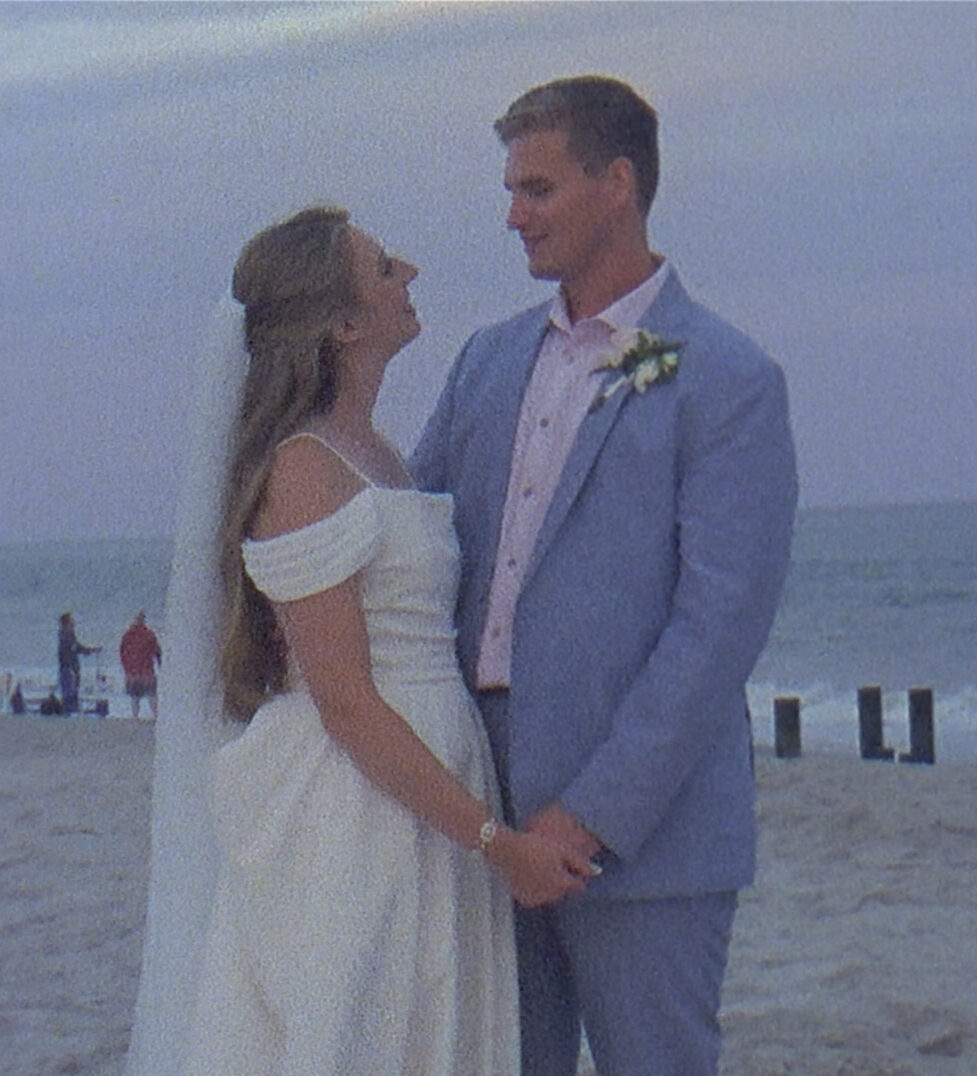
(818, 189)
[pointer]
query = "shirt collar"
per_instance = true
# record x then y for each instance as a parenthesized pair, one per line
(623, 313)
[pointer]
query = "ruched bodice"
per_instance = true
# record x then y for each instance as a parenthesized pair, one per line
(403, 544)
(348, 937)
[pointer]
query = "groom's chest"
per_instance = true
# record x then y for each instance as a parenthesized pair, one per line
(517, 438)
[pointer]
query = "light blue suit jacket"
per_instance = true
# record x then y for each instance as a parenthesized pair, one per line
(649, 596)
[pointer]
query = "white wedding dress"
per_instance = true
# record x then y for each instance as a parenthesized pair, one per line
(348, 938)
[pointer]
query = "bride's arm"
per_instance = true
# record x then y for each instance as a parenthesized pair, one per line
(326, 633)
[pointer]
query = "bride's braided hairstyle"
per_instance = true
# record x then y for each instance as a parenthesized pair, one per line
(295, 280)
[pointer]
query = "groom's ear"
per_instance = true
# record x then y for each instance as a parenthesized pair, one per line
(622, 181)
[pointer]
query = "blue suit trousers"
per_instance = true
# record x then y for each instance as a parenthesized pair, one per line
(643, 976)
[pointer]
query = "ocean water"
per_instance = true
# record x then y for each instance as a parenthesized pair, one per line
(881, 596)
(103, 583)
(875, 595)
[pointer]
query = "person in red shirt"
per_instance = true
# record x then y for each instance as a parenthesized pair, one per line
(140, 653)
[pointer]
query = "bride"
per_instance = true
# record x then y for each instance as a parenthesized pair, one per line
(330, 888)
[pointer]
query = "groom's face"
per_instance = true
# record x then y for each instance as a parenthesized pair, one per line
(561, 212)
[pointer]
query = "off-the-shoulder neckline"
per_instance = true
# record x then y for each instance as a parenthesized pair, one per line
(326, 520)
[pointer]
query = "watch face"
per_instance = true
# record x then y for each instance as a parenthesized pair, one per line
(486, 833)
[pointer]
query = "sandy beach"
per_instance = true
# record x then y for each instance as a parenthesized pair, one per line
(854, 955)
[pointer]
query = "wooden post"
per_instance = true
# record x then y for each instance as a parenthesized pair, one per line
(870, 740)
(787, 727)
(921, 747)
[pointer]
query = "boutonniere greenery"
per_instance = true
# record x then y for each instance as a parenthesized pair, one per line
(642, 359)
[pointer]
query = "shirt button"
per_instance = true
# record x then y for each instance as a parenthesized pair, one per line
(496, 632)
(511, 562)
(544, 422)
(528, 492)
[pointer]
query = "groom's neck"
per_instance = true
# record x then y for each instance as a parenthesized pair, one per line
(607, 279)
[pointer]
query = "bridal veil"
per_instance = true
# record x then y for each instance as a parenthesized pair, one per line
(189, 729)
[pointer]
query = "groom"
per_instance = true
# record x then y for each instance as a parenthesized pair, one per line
(625, 534)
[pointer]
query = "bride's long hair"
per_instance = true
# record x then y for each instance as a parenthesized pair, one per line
(296, 282)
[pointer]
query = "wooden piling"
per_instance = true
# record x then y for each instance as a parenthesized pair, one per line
(870, 739)
(787, 727)
(921, 739)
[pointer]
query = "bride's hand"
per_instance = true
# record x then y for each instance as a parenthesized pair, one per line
(538, 870)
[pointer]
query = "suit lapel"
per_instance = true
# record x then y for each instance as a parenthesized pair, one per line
(514, 375)
(507, 390)
(664, 316)
(586, 445)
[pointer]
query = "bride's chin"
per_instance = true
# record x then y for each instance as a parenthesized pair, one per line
(412, 333)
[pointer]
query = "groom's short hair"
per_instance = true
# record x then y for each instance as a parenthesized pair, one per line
(603, 119)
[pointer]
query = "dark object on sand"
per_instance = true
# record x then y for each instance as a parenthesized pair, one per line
(51, 705)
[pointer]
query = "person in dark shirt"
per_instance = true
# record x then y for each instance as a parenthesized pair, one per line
(69, 668)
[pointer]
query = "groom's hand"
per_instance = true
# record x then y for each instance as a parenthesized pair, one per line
(556, 824)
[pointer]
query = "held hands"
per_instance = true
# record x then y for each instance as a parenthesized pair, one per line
(556, 824)
(538, 870)
(547, 861)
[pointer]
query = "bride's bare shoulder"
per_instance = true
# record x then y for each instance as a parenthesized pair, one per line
(306, 482)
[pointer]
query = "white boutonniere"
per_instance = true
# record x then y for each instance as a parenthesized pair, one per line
(643, 359)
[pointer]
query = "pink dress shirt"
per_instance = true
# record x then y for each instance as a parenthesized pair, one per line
(564, 383)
